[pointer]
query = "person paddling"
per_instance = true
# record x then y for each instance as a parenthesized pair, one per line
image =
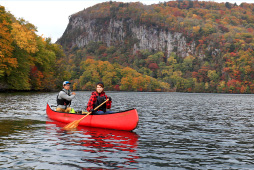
(98, 97)
(64, 98)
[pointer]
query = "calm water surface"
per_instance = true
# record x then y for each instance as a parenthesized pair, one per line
(175, 131)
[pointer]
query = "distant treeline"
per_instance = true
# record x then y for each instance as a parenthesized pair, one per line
(114, 77)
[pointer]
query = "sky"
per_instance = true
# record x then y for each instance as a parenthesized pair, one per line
(51, 16)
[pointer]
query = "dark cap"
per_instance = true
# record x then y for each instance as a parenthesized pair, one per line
(100, 83)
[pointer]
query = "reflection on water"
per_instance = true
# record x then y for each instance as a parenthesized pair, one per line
(10, 126)
(109, 148)
(175, 131)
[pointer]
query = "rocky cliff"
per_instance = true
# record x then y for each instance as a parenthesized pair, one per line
(82, 30)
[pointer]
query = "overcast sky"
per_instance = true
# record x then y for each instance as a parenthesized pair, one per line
(51, 16)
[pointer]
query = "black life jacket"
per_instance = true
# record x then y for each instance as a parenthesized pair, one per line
(100, 99)
(63, 101)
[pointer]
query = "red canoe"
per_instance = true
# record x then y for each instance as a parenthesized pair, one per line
(125, 120)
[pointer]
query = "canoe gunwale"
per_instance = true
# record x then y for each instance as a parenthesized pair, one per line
(92, 114)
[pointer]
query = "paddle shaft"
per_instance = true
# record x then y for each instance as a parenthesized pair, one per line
(75, 123)
(94, 109)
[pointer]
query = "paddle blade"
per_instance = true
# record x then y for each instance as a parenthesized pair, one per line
(71, 126)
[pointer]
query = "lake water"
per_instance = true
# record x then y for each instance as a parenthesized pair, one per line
(175, 131)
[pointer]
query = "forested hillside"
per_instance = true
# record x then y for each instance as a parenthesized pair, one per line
(32, 62)
(115, 77)
(28, 61)
(193, 46)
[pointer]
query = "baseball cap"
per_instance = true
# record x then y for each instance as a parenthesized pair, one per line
(66, 82)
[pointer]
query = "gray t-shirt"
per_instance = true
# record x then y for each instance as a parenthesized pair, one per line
(65, 94)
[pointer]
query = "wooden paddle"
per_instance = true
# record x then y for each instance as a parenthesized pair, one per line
(74, 124)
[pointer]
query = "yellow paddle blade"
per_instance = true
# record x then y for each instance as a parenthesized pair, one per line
(72, 125)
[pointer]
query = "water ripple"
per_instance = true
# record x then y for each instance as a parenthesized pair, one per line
(175, 131)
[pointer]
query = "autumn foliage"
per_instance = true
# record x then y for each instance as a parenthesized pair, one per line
(222, 33)
(115, 77)
(27, 61)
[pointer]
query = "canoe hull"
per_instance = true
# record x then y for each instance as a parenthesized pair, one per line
(126, 120)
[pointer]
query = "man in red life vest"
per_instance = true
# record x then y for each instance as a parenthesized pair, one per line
(97, 98)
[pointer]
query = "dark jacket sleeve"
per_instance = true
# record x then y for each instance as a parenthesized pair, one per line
(108, 104)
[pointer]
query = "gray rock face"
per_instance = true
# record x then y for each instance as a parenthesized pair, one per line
(113, 32)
